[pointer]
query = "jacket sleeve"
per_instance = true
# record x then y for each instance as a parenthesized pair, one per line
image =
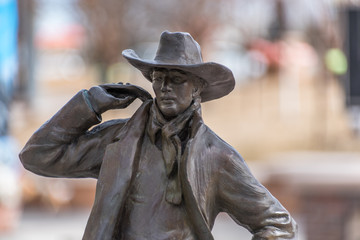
(64, 147)
(250, 204)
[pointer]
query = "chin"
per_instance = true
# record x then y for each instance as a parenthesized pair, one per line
(168, 113)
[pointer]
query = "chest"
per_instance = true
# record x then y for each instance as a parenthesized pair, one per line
(147, 213)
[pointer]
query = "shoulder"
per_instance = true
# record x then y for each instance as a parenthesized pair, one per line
(229, 167)
(217, 144)
(222, 152)
(222, 161)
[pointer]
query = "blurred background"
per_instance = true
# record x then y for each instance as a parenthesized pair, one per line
(294, 114)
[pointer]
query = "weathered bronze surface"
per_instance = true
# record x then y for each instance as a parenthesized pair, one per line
(162, 174)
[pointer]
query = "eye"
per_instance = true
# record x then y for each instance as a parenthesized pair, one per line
(178, 80)
(157, 79)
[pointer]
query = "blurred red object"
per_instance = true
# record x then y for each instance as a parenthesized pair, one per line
(70, 37)
(270, 50)
(8, 218)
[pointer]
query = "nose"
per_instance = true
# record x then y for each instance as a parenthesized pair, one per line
(165, 85)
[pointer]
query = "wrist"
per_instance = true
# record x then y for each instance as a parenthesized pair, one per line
(92, 104)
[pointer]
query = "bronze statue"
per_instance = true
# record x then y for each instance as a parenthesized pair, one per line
(162, 174)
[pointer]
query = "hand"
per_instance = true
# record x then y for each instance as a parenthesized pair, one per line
(115, 96)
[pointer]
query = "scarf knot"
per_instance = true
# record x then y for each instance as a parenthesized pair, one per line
(171, 145)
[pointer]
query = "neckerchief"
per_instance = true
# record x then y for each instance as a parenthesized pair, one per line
(171, 145)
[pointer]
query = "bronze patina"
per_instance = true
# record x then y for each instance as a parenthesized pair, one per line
(162, 174)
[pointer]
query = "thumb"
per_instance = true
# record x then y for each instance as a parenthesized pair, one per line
(124, 102)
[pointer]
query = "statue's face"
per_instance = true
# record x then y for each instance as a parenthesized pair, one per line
(174, 91)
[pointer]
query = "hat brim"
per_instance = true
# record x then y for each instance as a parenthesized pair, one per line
(220, 80)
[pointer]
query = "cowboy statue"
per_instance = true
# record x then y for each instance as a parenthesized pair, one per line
(162, 174)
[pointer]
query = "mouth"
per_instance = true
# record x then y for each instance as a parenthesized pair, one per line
(166, 100)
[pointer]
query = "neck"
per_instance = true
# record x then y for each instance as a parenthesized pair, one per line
(158, 121)
(167, 118)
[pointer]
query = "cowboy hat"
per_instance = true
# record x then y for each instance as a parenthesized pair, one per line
(180, 51)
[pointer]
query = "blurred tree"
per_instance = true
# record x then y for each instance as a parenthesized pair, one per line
(201, 18)
(25, 79)
(323, 35)
(278, 26)
(108, 34)
(114, 25)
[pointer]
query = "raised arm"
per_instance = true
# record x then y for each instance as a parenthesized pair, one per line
(251, 205)
(64, 147)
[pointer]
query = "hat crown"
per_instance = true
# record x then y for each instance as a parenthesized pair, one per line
(178, 48)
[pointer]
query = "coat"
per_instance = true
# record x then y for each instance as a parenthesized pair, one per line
(214, 177)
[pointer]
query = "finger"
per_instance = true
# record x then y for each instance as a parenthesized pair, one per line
(117, 90)
(127, 99)
(119, 86)
(124, 102)
(110, 85)
(128, 89)
(144, 95)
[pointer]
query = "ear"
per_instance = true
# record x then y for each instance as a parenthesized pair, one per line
(196, 92)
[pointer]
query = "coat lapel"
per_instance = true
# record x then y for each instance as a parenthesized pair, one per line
(190, 177)
(119, 163)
